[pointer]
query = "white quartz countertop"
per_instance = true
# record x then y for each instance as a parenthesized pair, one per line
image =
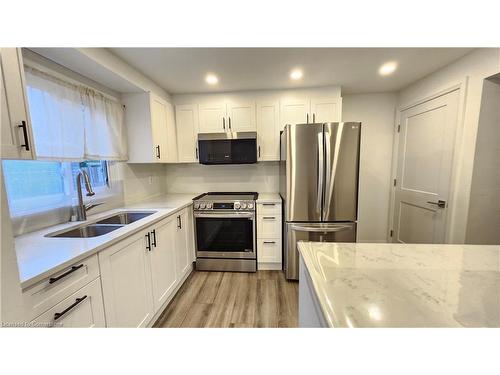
(269, 198)
(39, 257)
(402, 285)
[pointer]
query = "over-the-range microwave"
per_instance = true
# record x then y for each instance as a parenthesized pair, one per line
(227, 148)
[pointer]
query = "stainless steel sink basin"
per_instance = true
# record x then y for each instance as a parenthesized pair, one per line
(91, 230)
(125, 217)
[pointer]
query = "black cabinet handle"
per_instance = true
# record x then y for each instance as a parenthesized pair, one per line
(269, 204)
(77, 302)
(269, 241)
(307, 118)
(158, 151)
(314, 118)
(154, 237)
(259, 151)
(52, 280)
(269, 217)
(148, 246)
(25, 134)
(224, 123)
(179, 222)
(229, 122)
(196, 153)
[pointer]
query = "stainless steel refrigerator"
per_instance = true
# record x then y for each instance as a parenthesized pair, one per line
(319, 168)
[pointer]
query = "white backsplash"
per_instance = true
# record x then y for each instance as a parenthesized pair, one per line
(262, 177)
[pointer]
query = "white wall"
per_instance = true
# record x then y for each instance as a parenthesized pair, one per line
(376, 112)
(141, 181)
(484, 209)
(262, 177)
(474, 67)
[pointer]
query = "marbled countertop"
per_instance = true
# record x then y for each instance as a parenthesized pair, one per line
(39, 257)
(403, 285)
(269, 198)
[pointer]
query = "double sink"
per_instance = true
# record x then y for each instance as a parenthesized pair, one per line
(103, 226)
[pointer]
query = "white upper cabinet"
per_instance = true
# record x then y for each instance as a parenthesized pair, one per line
(212, 117)
(186, 121)
(151, 129)
(325, 109)
(241, 116)
(295, 111)
(268, 148)
(16, 132)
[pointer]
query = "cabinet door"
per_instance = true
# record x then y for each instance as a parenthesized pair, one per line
(126, 283)
(241, 116)
(170, 140)
(159, 128)
(268, 131)
(213, 118)
(325, 110)
(181, 244)
(16, 133)
(186, 119)
(82, 309)
(268, 226)
(269, 250)
(162, 260)
(294, 112)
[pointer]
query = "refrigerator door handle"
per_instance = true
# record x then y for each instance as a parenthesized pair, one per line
(321, 172)
(304, 228)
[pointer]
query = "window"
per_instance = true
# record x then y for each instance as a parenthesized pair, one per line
(35, 186)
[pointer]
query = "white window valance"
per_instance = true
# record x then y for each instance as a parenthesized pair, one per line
(73, 122)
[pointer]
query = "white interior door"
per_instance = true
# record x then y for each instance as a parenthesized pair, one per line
(426, 142)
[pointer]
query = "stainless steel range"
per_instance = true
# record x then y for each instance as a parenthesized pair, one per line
(225, 232)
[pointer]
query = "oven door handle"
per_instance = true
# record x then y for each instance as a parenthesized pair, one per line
(231, 215)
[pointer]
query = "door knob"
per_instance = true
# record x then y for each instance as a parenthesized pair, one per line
(440, 203)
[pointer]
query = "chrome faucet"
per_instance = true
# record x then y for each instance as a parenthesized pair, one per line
(81, 209)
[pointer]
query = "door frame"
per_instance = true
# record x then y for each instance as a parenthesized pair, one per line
(458, 150)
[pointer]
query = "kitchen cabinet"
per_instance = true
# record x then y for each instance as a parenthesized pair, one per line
(82, 309)
(269, 229)
(268, 131)
(162, 258)
(16, 132)
(126, 283)
(182, 251)
(310, 110)
(236, 116)
(187, 123)
(151, 129)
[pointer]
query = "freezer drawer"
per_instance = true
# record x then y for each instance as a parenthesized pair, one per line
(317, 232)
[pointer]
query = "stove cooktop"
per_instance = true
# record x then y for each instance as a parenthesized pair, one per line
(227, 196)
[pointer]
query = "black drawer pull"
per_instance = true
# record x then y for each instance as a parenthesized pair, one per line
(158, 154)
(269, 241)
(52, 280)
(76, 303)
(148, 245)
(269, 217)
(269, 204)
(179, 222)
(154, 237)
(25, 134)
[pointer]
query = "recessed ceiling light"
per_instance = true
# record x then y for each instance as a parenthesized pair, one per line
(296, 74)
(211, 79)
(388, 68)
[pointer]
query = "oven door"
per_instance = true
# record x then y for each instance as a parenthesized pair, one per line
(225, 235)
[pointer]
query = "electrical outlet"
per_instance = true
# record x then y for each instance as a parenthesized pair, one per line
(150, 179)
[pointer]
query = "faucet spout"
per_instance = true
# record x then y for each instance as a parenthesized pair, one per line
(81, 209)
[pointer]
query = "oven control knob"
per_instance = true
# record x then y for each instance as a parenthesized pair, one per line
(209, 205)
(244, 206)
(196, 206)
(250, 206)
(202, 205)
(237, 205)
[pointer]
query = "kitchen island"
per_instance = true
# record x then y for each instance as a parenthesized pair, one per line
(398, 285)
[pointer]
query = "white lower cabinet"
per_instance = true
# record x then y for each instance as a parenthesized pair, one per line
(162, 258)
(82, 309)
(269, 228)
(126, 283)
(141, 273)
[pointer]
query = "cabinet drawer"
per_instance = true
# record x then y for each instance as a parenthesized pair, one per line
(269, 250)
(268, 226)
(54, 289)
(84, 309)
(269, 209)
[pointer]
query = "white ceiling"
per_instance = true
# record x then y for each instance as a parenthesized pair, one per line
(182, 70)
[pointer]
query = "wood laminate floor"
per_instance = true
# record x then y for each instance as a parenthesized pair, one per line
(232, 299)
